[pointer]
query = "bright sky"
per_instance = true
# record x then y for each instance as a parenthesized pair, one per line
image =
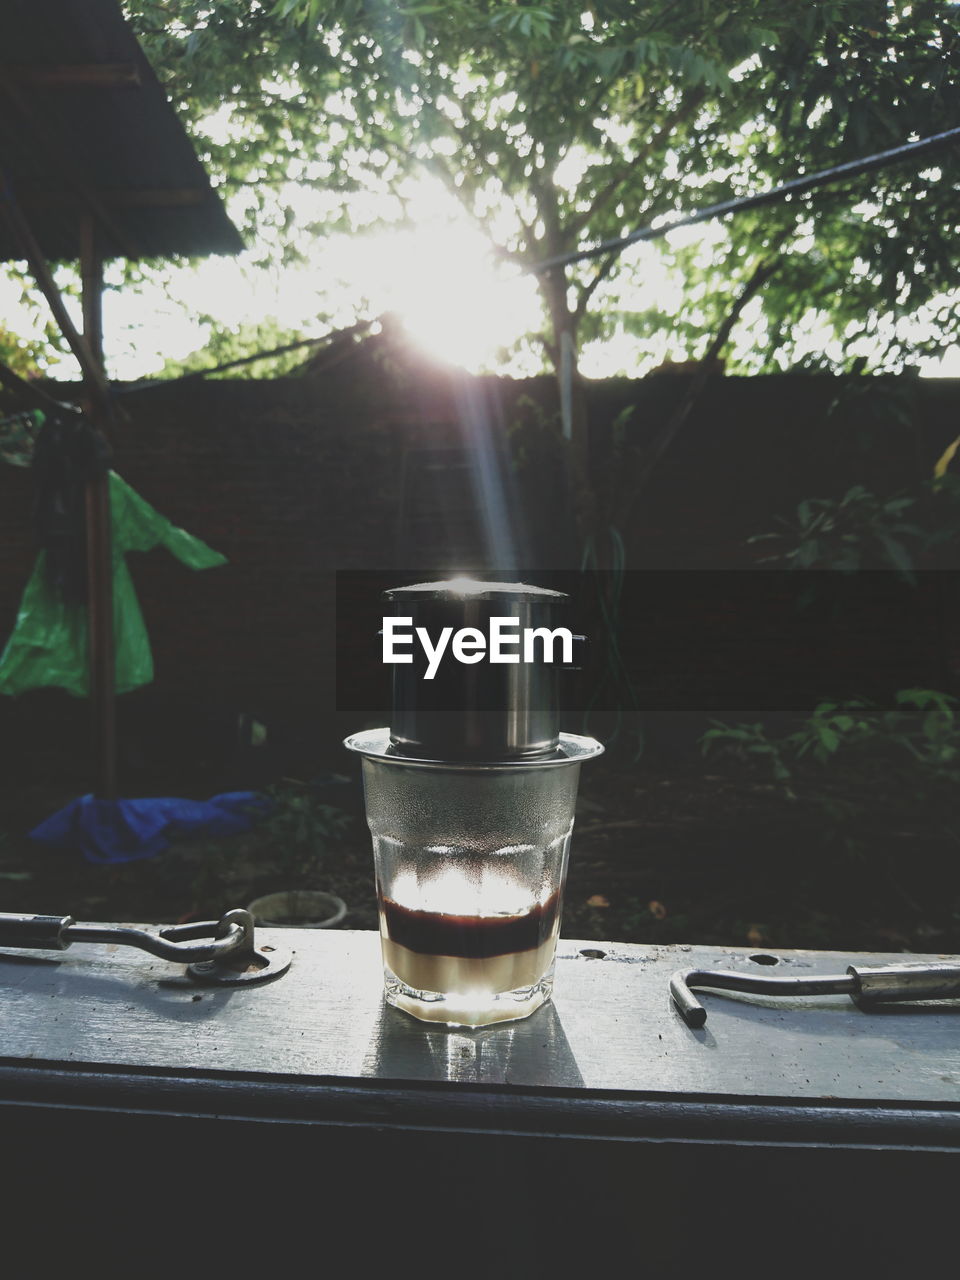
(456, 301)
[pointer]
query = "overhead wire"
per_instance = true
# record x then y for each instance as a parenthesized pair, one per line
(799, 186)
(795, 187)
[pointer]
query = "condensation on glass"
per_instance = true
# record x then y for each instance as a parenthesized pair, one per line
(470, 853)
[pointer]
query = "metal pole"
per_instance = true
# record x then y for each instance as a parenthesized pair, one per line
(99, 550)
(88, 349)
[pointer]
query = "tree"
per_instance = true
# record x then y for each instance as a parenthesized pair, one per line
(561, 123)
(871, 264)
(26, 355)
(18, 354)
(237, 346)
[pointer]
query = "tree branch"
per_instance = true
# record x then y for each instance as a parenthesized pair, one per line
(551, 348)
(438, 166)
(609, 191)
(761, 274)
(587, 291)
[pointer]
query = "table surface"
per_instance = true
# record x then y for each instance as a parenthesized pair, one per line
(611, 1027)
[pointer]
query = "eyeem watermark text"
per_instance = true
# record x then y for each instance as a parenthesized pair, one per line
(506, 641)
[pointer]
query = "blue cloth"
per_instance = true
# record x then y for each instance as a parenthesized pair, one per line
(124, 830)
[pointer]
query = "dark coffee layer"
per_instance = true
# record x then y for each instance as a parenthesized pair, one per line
(472, 937)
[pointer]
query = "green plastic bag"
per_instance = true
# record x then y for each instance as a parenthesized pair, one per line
(49, 644)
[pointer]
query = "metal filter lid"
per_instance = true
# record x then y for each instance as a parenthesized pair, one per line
(477, 710)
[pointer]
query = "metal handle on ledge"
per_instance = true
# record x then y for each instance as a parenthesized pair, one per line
(228, 956)
(868, 984)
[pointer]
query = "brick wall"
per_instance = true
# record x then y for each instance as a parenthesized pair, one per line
(297, 478)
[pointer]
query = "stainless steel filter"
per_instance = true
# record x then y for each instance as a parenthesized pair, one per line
(470, 798)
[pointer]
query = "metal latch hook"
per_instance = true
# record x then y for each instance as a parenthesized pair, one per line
(879, 984)
(228, 957)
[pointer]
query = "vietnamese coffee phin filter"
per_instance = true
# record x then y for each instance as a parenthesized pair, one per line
(470, 798)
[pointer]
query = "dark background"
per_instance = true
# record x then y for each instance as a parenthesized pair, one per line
(299, 478)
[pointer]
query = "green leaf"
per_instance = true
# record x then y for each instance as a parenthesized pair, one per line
(898, 555)
(806, 555)
(933, 725)
(918, 698)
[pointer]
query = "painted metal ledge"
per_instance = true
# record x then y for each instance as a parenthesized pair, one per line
(611, 1058)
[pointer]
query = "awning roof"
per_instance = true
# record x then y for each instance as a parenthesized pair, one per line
(85, 128)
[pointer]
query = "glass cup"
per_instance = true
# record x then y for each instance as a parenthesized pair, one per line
(471, 862)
